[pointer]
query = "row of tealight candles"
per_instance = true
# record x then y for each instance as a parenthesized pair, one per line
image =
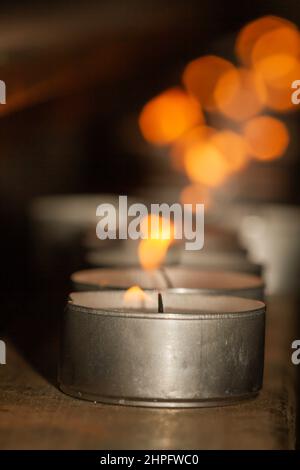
(187, 332)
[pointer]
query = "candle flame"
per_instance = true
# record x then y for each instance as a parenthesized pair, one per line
(135, 298)
(158, 235)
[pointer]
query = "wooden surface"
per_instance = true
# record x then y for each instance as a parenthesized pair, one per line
(34, 414)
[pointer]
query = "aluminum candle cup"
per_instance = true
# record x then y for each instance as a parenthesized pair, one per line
(125, 254)
(272, 237)
(199, 351)
(178, 279)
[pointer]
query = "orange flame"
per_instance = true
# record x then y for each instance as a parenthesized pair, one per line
(156, 227)
(136, 298)
(167, 116)
(159, 233)
(267, 137)
(152, 253)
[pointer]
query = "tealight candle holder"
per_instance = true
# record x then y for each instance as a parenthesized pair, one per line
(227, 261)
(169, 350)
(178, 279)
(125, 254)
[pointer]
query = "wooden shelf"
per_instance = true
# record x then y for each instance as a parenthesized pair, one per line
(34, 414)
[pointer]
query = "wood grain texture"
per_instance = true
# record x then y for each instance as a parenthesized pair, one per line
(34, 414)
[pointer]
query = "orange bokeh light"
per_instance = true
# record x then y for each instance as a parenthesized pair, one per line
(272, 46)
(167, 116)
(201, 75)
(180, 146)
(275, 53)
(196, 194)
(279, 91)
(233, 147)
(240, 94)
(267, 138)
(253, 31)
(205, 164)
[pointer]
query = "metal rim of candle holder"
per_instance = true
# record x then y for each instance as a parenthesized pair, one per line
(201, 315)
(146, 403)
(256, 293)
(127, 358)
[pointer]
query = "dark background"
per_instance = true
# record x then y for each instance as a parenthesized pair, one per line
(77, 74)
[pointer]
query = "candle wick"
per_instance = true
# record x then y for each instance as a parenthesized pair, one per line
(160, 303)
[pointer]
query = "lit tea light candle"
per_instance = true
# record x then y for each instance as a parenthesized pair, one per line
(125, 254)
(162, 349)
(176, 278)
